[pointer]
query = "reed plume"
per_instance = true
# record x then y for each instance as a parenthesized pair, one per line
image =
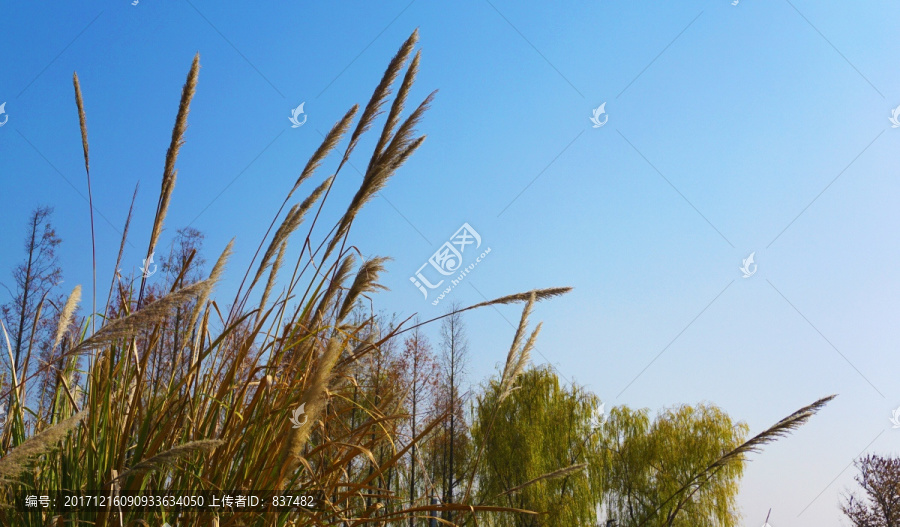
(332, 138)
(365, 282)
(396, 109)
(17, 460)
(169, 171)
(82, 121)
(380, 168)
(382, 91)
(144, 318)
(519, 353)
(82, 124)
(65, 316)
(170, 457)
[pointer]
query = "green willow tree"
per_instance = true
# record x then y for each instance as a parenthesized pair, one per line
(648, 462)
(539, 452)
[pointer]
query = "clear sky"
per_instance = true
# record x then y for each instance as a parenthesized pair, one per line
(757, 127)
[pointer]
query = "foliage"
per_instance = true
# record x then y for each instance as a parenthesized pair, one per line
(647, 461)
(541, 428)
(879, 505)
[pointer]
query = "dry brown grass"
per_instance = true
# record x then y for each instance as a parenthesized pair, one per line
(179, 395)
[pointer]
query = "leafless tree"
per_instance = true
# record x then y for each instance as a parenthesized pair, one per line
(34, 279)
(454, 358)
(419, 374)
(879, 505)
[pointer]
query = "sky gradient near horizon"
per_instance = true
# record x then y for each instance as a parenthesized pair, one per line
(758, 127)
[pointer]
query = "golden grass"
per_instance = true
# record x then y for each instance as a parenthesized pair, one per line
(178, 395)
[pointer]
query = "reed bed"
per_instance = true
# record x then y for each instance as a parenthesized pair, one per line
(168, 390)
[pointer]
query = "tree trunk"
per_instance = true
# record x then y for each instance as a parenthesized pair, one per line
(412, 464)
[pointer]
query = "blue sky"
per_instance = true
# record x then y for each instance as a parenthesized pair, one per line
(757, 127)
